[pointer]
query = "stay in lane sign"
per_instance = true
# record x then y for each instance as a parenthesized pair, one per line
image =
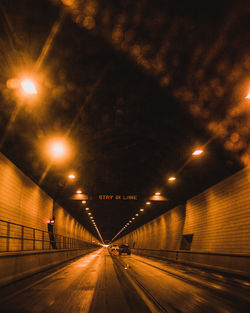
(103, 197)
(117, 197)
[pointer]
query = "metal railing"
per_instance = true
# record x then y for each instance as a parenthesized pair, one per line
(16, 237)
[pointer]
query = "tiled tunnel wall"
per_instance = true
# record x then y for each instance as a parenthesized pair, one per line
(219, 217)
(217, 221)
(25, 203)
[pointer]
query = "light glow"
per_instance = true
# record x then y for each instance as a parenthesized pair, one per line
(197, 152)
(141, 210)
(28, 87)
(157, 194)
(79, 191)
(84, 201)
(148, 203)
(71, 176)
(248, 95)
(172, 178)
(87, 209)
(57, 149)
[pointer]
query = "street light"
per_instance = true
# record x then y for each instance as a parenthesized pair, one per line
(71, 176)
(197, 152)
(172, 178)
(28, 87)
(57, 148)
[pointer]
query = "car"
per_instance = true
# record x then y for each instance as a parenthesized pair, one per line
(114, 249)
(124, 249)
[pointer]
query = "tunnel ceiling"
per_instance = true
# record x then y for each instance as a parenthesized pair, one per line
(134, 87)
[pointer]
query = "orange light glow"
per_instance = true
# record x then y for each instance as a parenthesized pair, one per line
(84, 201)
(89, 213)
(28, 87)
(78, 191)
(71, 176)
(148, 202)
(171, 179)
(87, 209)
(248, 95)
(157, 194)
(141, 210)
(197, 152)
(136, 214)
(133, 218)
(57, 148)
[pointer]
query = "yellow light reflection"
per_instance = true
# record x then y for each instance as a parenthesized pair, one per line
(28, 87)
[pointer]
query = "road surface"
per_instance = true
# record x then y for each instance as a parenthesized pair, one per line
(103, 283)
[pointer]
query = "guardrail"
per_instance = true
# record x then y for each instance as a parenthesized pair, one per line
(16, 237)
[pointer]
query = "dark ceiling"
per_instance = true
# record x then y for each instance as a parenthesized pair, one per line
(134, 86)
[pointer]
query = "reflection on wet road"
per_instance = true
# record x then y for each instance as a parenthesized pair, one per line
(102, 283)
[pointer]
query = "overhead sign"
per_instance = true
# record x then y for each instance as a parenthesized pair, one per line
(117, 197)
(81, 196)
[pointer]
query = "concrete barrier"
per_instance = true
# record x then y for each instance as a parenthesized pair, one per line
(230, 263)
(17, 265)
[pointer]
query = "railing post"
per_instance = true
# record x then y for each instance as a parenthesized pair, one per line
(8, 237)
(22, 237)
(43, 240)
(34, 239)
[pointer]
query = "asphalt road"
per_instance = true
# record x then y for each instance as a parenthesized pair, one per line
(103, 283)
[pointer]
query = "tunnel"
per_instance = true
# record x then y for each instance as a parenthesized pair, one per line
(124, 156)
